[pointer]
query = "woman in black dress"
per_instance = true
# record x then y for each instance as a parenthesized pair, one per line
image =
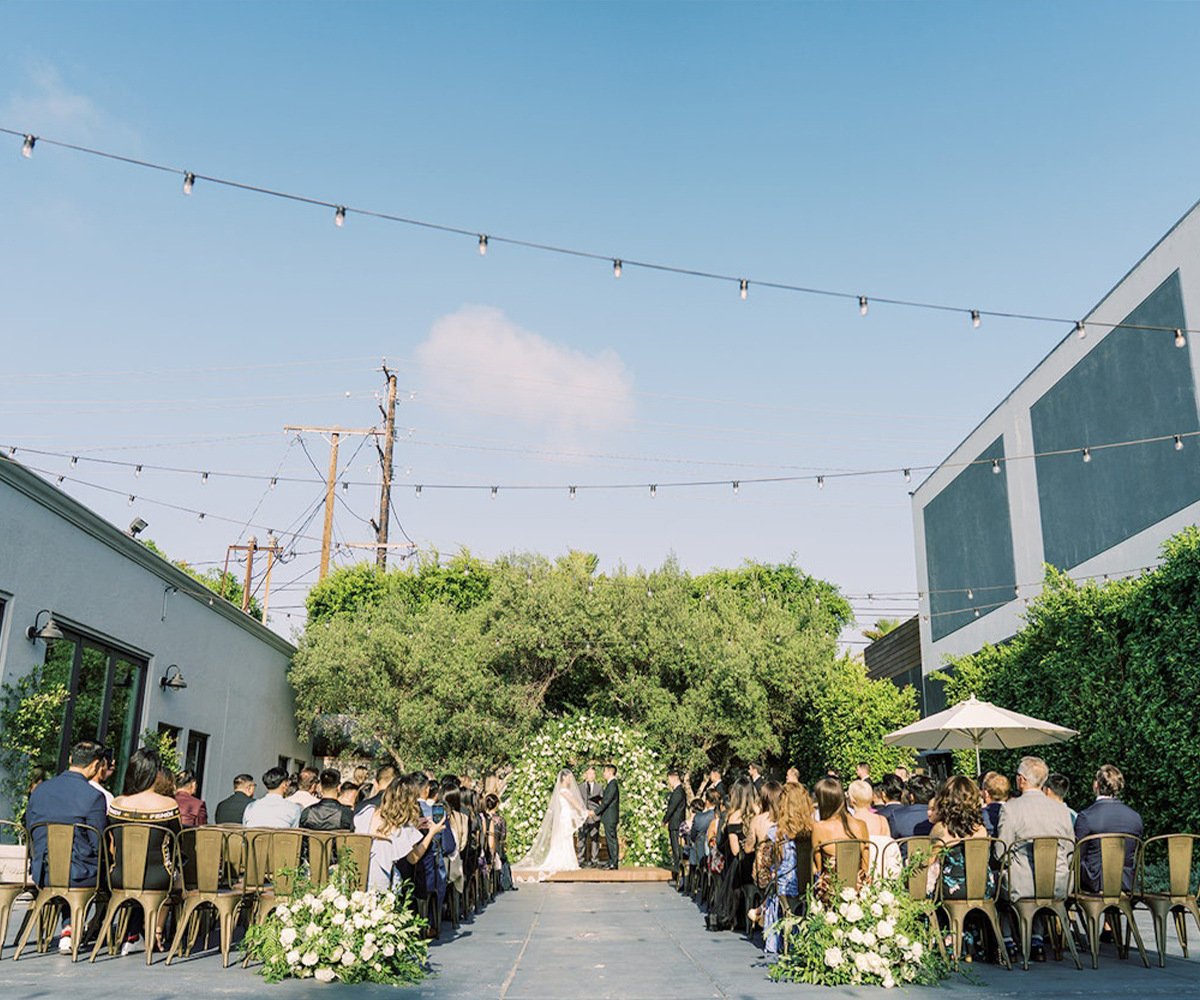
(736, 862)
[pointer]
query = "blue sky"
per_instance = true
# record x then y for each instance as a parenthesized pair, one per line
(1012, 156)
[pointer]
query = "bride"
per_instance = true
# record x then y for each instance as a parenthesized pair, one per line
(553, 848)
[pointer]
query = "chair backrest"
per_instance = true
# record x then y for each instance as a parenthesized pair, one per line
(843, 859)
(130, 848)
(1045, 855)
(1180, 856)
(271, 855)
(977, 853)
(917, 851)
(211, 856)
(1114, 848)
(320, 855)
(358, 846)
(60, 841)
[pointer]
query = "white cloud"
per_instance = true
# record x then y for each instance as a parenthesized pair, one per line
(478, 359)
(48, 106)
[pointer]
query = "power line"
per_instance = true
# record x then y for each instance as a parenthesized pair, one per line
(618, 262)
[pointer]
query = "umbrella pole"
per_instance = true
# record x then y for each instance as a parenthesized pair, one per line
(978, 772)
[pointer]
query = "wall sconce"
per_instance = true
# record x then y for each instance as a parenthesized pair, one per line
(175, 680)
(47, 632)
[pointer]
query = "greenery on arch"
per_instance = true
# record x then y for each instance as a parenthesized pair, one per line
(576, 742)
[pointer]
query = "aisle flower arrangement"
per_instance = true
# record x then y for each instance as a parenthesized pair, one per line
(877, 935)
(575, 742)
(340, 933)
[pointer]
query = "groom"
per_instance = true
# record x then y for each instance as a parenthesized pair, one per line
(608, 812)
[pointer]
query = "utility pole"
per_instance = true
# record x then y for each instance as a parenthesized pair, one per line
(385, 457)
(335, 434)
(250, 548)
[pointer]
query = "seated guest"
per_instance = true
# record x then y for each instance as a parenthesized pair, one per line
(273, 809)
(69, 798)
(912, 818)
(793, 776)
(891, 791)
(1058, 787)
(836, 824)
(879, 831)
(959, 810)
(328, 813)
(994, 792)
(103, 776)
(192, 811)
(348, 794)
(1108, 814)
(384, 776)
(305, 794)
(233, 809)
(789, 860)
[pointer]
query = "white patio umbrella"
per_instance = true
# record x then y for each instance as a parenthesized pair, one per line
(978, 725)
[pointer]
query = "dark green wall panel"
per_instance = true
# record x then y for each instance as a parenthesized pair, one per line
(968, 544)
(1133, 384)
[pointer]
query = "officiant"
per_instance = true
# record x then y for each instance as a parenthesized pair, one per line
(589, 833)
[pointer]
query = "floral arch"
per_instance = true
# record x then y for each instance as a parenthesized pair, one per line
(575, 742)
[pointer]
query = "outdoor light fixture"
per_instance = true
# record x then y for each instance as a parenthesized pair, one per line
(736, 486)
(862, 305)
(136, 527)
(1180, 340)
(744, 288)
(482, 245)
(1080, 330)
(175, 680)
(339, 217)
(616, 269)
(47, 632)
(27, 146)
(975, 320)
(996, 466)
(571, 492)
(189, 180)
(908, 475)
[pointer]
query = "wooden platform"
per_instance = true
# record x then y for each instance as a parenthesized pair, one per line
(619, 875)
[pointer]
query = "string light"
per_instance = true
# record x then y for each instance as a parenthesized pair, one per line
(743, 287)
(495, 491)
(189, 181)
(345, 486)
(137, 471)
(908, 475)
(27, 146)
(1180, 340)
(74, 461)
(203, 477)
(274, 482)
(339, 216)
(653, 490)
(736, 487)
(975, 320)
(1087, 454)
(200, 516)
(970, 594)
(571, 492)
(60, 479)
(417, 491)
(862, 305)
(129, 502)
(1178, 443)
(1080, 329)
(617, 268)
(996, 466)
(483, 242)
(820, 482)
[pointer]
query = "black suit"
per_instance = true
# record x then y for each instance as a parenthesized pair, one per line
(608, 812)
(1106, 816)
(232, 809)
(673, 817)
(589, 833)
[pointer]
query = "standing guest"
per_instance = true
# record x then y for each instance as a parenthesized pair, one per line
(69, 798)
(793, 776)
(1030, 815)
(912, 818)
(706, 810)
(901, 772)
(791, 836)
(327, 813)
(233, 809)
(589, 833)
(715, 781)
(756, 777)
(395, 827)
(273, 810)
(891, 791)
(1108, 814)
(348, 794)
(192, 810)
(384, 776)
(994, 791)
(835, 824)
(673, 818)
(757, 837)
(862, 771)
(305, 795)
(103, 776)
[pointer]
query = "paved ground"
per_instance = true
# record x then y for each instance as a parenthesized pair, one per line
(599, 942)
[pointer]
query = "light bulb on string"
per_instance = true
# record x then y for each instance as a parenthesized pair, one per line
(975, 319)
(129, 502)
(571, 492)
(1180, 339)
(495, 491)
(1178, 443)
(203, 477)
(137, 471)
(616, 268)
(339, 216)
(483, 242)
(1087, 454)
(736, 486)
(1080, 329)
(908, 475)
(820, 482)
(417, 491)
(744, 288)
(653, 490)
(996, 466)
(862, 305)
(27, 146)
(274, 482)
(189, 181)
(60, 479)
(345, 486)
(970, 594)
(976, 612)
(200, 516)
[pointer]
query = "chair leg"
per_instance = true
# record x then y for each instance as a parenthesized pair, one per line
(1127, 909)
(102, 937)
(1181, 930)
(1064, 922)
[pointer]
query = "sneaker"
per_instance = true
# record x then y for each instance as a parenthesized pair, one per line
(130, 941)
(64, 942)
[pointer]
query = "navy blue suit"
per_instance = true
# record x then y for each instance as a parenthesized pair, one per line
(991, 817)
(910, 821)
(1106, 816)
(887, 809)
(67, 798)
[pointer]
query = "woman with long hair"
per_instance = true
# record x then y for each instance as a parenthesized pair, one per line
(735, 862)
(398, 832)
(836, 824)
(785, 868)
(959, 815)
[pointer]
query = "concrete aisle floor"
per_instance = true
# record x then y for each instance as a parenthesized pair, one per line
(581, 942)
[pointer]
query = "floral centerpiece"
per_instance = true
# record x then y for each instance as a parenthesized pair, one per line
(877, 935)
(575, 742)
(340, 933)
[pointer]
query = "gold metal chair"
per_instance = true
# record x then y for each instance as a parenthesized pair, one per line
(977, 896)
(918, 852)
(845, 862)
(1111, 898)
(1047, 856)
(58, 890)
(1179, 899)
(11, 891)
(210, 857)
(131, 848)
(271, 858)
(358, 846)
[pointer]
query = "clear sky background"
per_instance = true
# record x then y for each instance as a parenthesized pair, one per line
(994, 156)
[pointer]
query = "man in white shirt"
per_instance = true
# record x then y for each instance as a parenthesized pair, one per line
(304, 796)
(105, 772)
(273, 810)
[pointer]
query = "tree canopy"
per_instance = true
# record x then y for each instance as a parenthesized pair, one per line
(460, 662)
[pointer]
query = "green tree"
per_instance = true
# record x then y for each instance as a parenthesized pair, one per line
(881, 628)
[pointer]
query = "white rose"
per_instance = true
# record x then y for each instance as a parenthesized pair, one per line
(337, 954)
(389, 950)
(855, 936)
(901, 941)
(316, 906)
(283, 913)
(287, 937)
(292, 957)
(339, 919)
(312, 930)
(368, 938)
(329, 891)
(309, 959)
(888, 981)
(833, 957)
(849, 895)
(862, 962)
(341, 902)
(853, 913)
(831, 918)
(348, 957)
(886, 897)
(876, 910)
(869, 939)
(918, 949)
(368, 952)
(325, 975)
(885, 929)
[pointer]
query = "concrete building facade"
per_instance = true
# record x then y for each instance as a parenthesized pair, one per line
(131, 621)
(1050, 476)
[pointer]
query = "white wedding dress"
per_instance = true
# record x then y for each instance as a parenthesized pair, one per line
(553, 848)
